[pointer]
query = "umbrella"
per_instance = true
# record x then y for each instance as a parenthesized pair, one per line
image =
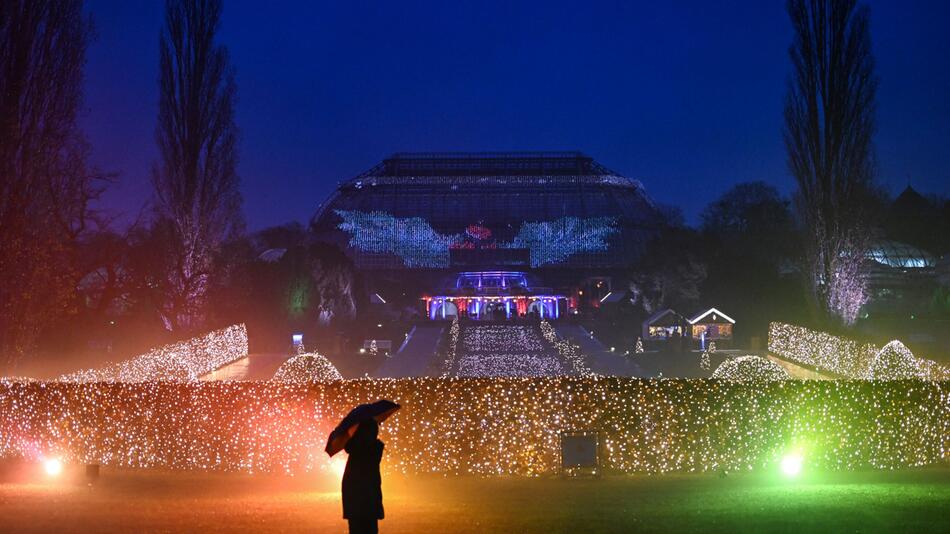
(379, 410)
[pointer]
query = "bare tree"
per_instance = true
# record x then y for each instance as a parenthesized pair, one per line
(196, 184)
(829, 125)
(45, 184)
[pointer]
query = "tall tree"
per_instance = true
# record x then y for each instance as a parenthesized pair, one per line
(749, 238)
(829, 125)
(196, 183)
(750, 221)
(45, 184)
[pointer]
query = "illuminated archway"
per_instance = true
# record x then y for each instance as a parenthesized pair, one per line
(444, 310)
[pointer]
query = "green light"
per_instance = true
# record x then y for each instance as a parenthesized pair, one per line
(792, 464)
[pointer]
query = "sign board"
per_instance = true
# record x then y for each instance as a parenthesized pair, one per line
(579, 451)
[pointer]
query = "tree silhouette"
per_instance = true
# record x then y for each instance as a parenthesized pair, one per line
(195, 184)
(829, 124)
(45, 185)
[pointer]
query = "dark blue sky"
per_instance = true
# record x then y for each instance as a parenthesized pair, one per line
(684, 96)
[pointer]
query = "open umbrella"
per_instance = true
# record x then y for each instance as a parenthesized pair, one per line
(379, 410)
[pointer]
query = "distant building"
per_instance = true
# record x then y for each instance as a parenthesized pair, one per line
(711, 325)
(495, 295)
(663, 325)
(901, 278)
(415, 221)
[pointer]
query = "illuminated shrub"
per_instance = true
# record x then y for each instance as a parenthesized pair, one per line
(845, 357)
(482, 426)
(306, 368)
(750, 369)
(895, 362)
(182, 361)
(821, 350)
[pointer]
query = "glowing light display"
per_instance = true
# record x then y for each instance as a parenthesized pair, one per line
(411, 238)
(306, 368)
(419, 245)
(486, 350)
(555, 241)
(845, 357)
(187, 360)
(501, 364)
(895, 362)
(483, 426)
(570, 353)
(451, 348)
(749, 369)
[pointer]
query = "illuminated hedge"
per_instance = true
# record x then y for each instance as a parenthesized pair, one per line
(185, 360)
(839, 355)
(483, 426)
(749, 369)
(305, 368)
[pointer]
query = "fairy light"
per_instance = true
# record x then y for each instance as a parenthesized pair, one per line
(419, 245)
(486, 351)
(749, 369)
(451, 348)
(305, 368)
(569, 352)
(895, 362)
(186, 360)
(482, 426)
(842, 356)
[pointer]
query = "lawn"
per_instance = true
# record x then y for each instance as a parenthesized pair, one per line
(907, 501)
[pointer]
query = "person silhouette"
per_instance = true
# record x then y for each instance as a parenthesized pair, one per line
(362, 484)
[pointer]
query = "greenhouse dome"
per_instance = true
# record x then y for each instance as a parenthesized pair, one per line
(535, 210)
(900, 255)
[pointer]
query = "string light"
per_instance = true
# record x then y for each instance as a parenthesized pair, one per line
(186, 360)
(490, 426)
(570, 352)
(842, 356)
(748, 369)
(486, 351)
(448, 363)
(306, 368)
(419, 245)
(895, 362)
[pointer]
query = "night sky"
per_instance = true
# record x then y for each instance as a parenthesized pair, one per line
(684, 96)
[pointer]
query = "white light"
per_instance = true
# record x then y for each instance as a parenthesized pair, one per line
(792, 464)
(53, 466)
(337, 466)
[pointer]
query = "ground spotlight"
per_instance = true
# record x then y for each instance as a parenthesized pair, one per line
(53, 466)
(791, 464)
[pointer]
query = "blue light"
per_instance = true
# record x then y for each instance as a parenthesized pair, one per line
(419, 245)
(555, 241)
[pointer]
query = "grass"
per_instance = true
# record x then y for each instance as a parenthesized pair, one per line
(908, 501)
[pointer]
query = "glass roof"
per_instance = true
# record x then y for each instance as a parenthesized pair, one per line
(900, 255)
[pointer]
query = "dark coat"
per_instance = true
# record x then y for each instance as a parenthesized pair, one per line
(362, 491)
